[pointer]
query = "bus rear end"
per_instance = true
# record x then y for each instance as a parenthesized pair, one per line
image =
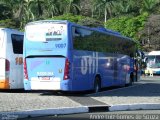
(46, 65)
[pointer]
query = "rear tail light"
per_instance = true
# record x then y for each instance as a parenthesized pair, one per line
(25, 70)
(66, 69)
(7, 64)
(135, 67)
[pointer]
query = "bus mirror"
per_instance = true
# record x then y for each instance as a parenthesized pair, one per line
(145, 59)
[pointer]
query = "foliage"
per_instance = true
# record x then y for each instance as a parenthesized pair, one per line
(69, 17)
(148, 5)
(82, 20)
(88, 21)
(105, 7)
(8, 23)
(5, 12)
(125, 16)
(149, 36)
(127, 26)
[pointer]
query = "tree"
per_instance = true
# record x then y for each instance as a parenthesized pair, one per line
(36, 7)
(149, 36)
(69, 16)
(128, 26)
(86, 7)
(106, 5)
(21, 10)
(9, 23)
(52, 7)
(5, 12)
(148, 5)
(71, 6)
(125, 7)
(90, 22)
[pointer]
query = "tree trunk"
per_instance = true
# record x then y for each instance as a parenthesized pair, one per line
(105, 15)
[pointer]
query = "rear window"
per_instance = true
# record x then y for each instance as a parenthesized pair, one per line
(17, 43)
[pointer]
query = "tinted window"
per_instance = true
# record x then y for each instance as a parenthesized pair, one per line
(17, 43)
(84, 39)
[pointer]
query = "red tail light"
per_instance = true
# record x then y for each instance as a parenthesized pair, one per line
(135, 67)
(66, 70)
(7, 64)
(25, 70)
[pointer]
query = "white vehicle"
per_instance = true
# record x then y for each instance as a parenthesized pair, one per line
(153, 62)
(11, 61)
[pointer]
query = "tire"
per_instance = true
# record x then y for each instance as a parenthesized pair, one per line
(130, 81)
(97, 85)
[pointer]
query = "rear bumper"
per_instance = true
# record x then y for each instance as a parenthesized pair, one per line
(4, 84)
(43, 85)
(64, 85)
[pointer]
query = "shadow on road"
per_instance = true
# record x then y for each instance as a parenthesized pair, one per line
(148, 86)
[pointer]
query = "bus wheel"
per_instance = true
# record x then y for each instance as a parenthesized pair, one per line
(97, 84)
(130, 81)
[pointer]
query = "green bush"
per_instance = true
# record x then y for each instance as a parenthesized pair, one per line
(127, 26)
(69, 17)
(79, 19)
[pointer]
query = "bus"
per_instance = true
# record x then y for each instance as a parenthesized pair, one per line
(153, 62)
(11, 59)
(61, 55)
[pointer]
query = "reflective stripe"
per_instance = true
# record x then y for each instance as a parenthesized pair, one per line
(4, 84)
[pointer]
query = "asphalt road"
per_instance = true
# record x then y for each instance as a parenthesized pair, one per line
(145, 91)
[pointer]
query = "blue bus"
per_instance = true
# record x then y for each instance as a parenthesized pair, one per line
(61, 55)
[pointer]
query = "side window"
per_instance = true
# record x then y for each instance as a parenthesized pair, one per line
(17, 43)
(82, 39)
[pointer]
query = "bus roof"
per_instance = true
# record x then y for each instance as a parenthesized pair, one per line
(10, 29)
(154, 53)
(98, 29)
(48, 21)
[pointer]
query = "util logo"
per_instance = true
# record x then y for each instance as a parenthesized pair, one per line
(89, 64)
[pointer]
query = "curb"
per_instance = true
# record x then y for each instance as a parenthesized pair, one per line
(141, 106)
(83, 109)
(43, 112)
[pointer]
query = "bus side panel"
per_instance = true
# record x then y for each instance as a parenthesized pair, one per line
(106, 68)
(16, 72)
(123, 65)
(86, 65)
(16, 63)
(81, 80)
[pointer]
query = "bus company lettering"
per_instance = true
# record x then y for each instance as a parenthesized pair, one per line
(89, 64)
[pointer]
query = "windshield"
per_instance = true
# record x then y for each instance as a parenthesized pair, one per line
(153, 61)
